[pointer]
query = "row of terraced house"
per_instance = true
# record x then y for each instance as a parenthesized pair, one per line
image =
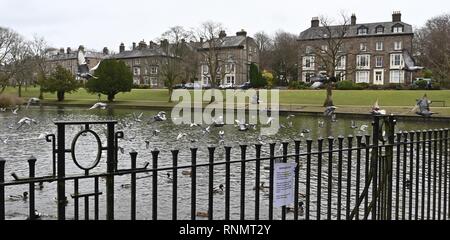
(376, 53)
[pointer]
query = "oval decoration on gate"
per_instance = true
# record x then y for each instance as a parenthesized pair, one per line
(85, 133)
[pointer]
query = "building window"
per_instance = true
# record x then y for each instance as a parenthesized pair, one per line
(153, 70)
(362, 77)
(398, 45)
(136, 71)
(397, 28)
(307, 76)
(153, 81)
(340, 64)
(206, 80)
(205, 69)
(379, 30)
(363, 31)
(378, 61)
(309, 50)
(229, 68)
(308, 63)
(340, 75)
(137, 62)
(396, 61)
(363, 47)
(363, 61)
(230, 80)
(379, 46)
(397, 76)
(324, 48)
(378, 78)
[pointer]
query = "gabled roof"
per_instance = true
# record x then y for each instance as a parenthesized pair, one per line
(74, 55)
(314, 33)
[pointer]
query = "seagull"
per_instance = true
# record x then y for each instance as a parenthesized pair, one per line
(422, 107)
(83, 68)
(376, 109)
(363, 128)
(269, 121)
(181, 135)
(306, 130)
(14, 111)
(221, 134)
(137, 118)
(193, 125)
(156, 132)
(26, 120)
(43, 135)
(290, 116)
(329, 110)
(99, 105)
(161, 116)
(206, 130)
(5, 141)
(218, 122)
(2, 109)
(33, 101)
(333, 118)
(321, 123)
(242, 126)
(353, 126)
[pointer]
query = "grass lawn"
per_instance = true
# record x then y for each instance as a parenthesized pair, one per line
(304, 100)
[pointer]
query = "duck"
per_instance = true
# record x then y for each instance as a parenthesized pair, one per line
(161, 116)
(37, 215)
(169, 178)
(186, 172)
(66, 201)
(219, 189)
(301, 210)
(261, 186)
(202, 214)
(125, 185)
(23, 197)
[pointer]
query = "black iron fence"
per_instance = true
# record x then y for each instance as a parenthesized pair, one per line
(385, 175)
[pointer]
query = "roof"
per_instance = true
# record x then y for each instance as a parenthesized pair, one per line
(227, 42)
(139, 53)
(314, 33)
(74, 55)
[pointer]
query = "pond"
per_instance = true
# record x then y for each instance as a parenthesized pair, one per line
(17, 145)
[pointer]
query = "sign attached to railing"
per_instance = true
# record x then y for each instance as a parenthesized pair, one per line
(283, 189)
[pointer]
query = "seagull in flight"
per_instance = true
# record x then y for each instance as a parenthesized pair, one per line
(33, 100)
(181, 135)
(26, 120)
(14, 111)
(99, 105)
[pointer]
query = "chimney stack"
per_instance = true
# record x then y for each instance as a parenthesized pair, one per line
(201, 40)
(396, 16)
(122, 48)
(222, 34)
(61, 50)
(69, 51)
(242, 33)
(353, 20)
(105, 51)
(134, 45)
(151, 45)
(164, 44)
(315, 22)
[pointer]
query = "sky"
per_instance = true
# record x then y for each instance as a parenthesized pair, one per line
(102, 23)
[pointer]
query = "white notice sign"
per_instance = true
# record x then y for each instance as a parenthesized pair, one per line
(284, 174)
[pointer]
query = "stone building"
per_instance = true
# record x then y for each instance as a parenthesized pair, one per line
(144, 61)
(377, 53)
(236, 53)
(67, 58)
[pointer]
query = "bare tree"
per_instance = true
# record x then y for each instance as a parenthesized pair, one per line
(173, 66)
(284, 56)
(265, 49)
(330, 50)
(21, 64)
(39, 49)
(8, 39)
(433, 49)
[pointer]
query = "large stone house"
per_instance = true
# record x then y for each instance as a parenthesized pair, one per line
(144, 62)
(376, 53)
(236, 54)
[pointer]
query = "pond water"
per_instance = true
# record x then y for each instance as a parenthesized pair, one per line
(17, 145)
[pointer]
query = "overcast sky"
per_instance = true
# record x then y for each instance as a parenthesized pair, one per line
(99, 23)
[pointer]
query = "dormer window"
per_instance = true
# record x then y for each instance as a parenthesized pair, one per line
(379, 30)
(397, 28)
(363, 30)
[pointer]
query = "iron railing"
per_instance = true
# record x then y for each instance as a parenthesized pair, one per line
(401, 175)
